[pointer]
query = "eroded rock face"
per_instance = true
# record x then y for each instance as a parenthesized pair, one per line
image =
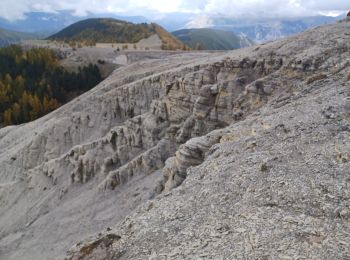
(272, 183)
(141, 132)
(192, 153)
(275, 185)
(156, 115)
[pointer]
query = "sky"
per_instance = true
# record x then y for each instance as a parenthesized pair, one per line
(16, 9)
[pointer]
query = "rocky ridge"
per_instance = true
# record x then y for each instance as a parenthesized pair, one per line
(268, 127)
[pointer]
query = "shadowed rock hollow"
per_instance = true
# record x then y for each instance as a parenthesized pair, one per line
(242, 154)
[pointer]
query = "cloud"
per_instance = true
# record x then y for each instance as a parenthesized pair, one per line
(201, 21)
(16, 9)
(275, 8)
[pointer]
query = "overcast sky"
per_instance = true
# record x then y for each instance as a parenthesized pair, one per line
(16, 9)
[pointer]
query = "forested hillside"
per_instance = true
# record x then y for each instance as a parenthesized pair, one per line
(107, 30)
(32, 83)
(104, 30)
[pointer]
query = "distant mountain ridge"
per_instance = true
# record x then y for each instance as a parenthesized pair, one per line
(264, 29)
(211, 39)
(12, 37)
(109, 30)
(258, 30)
(50, 23)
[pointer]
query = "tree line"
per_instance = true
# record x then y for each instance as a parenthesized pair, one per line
(33, 83)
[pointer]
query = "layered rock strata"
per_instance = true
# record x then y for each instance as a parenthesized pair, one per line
(88, 165)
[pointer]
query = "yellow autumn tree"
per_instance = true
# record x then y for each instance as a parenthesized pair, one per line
(36, 106)
(16, 113)
(8, 117)
(18, 87)
(49, 104)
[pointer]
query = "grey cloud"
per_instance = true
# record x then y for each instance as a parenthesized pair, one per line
(15, 9)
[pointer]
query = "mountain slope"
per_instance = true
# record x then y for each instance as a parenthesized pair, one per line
(11, 37)
(271, 29)
(211, 39)
(49, 23)
(266, 126)
(109, 30)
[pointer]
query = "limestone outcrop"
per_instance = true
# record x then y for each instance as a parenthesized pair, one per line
(270, 184)
(233, 133)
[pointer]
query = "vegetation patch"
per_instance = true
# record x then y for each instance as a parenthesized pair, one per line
(32, 83)
(97, 30)
(104, 31)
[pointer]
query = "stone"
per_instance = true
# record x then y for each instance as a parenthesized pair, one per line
(190, 129)
(282, 125)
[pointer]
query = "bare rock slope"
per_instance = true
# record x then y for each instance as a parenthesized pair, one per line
(266, 127)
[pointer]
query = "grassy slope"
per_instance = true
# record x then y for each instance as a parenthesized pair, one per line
(111, 30)
(209, 38)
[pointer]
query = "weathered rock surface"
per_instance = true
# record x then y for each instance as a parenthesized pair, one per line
(268, 135)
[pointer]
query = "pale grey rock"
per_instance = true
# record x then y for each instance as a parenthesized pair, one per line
(272, 184)
(250, 158)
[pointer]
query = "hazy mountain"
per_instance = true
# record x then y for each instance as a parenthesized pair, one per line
(262, 30)
(11, 37)
(53, 22)
(174, 21)
(211, 39)
(107, 30)
(40, 22)
(258, 30)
